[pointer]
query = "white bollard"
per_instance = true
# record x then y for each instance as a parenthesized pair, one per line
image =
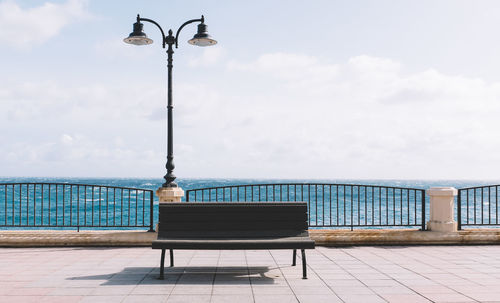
(442, 200)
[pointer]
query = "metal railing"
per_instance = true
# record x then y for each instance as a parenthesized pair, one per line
(478, 206)
(332, 205)
(74, 205)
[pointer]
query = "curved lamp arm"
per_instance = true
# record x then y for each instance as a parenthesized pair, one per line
(202, 20)
(161, 30)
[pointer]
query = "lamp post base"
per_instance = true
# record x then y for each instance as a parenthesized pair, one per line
(170, 194)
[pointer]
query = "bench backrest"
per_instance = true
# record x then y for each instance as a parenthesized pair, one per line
(232, 220)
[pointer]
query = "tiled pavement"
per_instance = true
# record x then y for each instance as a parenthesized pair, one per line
(355, 274)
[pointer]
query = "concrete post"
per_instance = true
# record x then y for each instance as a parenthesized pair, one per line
(170, 194)
(442, 199)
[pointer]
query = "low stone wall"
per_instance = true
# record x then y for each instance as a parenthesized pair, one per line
(38, 238)
(322, 237)
(404, 237)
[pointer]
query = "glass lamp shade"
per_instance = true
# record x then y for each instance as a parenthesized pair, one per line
(202, 38)
(206, 41)
(135, 40)
(138, 37)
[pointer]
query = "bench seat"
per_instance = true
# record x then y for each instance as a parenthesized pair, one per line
(269, 243)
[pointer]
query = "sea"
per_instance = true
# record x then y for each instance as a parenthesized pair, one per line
(193, 183)
(402, 209)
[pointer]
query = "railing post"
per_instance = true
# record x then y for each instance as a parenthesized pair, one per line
(441, 203)
(187, 195)
(459, 210)
(422, 192)
(151, 210)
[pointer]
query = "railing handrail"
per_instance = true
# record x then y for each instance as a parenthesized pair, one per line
(75, 184)
(476, 187)
(292, 184)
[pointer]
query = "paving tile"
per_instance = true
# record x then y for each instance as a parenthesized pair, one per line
(344, 283)
(233, 289)
(352, 290)
(21, 299)
(83, 283)
(216, 298)
(275, 299)
(448, 297)
(61, 299)
(267, 290)
(318, 299)
(312, 290)
(152, 290)
(383, 282)
(433, 289)
(102, 299)
(125, 276)
(485, 296)
(392, 290)
(361, 298)
(192, 290)
(488, 282)
(145, 299)
(407, 298)
(188, 298)
(112, 290)
(30, 291)
(417, 282)
(71, 291)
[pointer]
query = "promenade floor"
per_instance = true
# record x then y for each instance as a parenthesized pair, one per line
(354, 274)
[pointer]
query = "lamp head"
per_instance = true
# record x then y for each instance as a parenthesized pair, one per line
(202, 38)
(138, 36)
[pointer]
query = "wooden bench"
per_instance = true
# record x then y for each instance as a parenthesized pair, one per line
(233, 225)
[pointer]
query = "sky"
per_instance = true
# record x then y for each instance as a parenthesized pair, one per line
(293, 89)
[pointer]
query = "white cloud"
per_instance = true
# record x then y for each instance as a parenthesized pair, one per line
(368, 119)
(274, 116)
(88, 130)
(288, 66)
(23, 28)
(209, 57)
(114, 48)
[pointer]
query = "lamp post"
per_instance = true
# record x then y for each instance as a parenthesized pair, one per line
(201, 38)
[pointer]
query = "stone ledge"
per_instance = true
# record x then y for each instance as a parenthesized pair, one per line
(39, 238)
(404, 237)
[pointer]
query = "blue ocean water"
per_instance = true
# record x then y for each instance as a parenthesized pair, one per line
(186, 184)
(402, 209)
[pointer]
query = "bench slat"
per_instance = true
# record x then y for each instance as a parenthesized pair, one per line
(276, 243)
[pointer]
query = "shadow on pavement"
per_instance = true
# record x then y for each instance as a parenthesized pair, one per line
(196, 275)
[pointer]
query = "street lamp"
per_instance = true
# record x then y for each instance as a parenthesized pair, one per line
(202, 38)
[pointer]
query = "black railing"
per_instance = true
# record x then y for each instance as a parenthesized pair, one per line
(78, 206)
(332, 205)
(478, 206)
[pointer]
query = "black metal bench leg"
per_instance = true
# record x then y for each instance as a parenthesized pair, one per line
(294, 257)
(171, 258)
(162, 264)
(304, 265)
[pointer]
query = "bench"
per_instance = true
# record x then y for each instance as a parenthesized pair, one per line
(233, 225)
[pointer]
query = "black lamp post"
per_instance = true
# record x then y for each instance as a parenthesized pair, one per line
(202, 38)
